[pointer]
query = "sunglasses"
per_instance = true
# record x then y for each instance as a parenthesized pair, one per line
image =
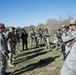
(72, 24)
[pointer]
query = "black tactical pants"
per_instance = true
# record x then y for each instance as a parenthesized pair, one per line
(24, 43)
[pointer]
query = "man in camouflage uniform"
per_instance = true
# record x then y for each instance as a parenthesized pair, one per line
(58, 35)
(3, 51)
(40, 36)
(65, 46)
(69, 66)
(37, 38)
(47, 38)
(32, 37)
(17, 33)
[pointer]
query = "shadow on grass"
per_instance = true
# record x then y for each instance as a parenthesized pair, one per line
(30, 52)
(30, 57)
(51, 43)
(39, 64)
(42, 45)
(53, 47)
(32, 48)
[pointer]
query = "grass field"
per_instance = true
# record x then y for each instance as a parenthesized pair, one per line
(38, 61)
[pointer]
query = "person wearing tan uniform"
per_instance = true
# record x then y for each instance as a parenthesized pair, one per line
(11, 41)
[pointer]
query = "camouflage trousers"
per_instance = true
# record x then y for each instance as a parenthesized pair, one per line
(38, 41)
(69, 66)
(47, 42)
(2, 64)
(32, 41)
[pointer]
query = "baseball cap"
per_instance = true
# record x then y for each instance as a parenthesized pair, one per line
(12, 28)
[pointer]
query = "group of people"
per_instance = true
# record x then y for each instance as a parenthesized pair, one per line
(37, 36)
(65, 37)
(69, 40)
(10, 41)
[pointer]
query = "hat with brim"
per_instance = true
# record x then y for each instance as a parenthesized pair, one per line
(13, 28)
(72, 22)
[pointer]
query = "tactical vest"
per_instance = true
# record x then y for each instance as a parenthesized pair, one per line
(11, 38)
